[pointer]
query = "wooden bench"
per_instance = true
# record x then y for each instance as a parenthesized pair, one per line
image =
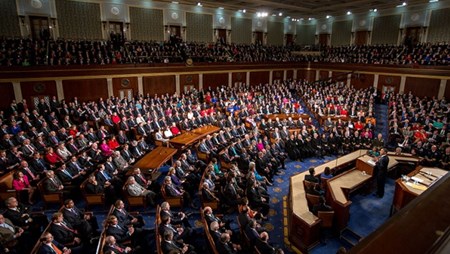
(102, 239)
(38, 244)
(55, 198)
(157, 234)
(6, 188)
(211, 244)
(173, 201)
(91, 199)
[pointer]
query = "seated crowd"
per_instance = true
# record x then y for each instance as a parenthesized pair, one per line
(65, 144)
(27, 52)
(419, 126)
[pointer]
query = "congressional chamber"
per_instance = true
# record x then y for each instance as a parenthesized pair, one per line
(224, 127)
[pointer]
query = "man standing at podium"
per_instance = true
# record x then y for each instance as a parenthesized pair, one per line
(380, 172)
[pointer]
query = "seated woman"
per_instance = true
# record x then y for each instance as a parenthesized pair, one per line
(168, 133)
(21, 184)
(106, 150)
(112, 143)
(174, 129)
(52, 158)
(327, 174)
(136, 190)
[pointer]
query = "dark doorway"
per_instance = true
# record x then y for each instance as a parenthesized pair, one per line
(40, 29)
(259, 38)
(222, 35)
(289, 39)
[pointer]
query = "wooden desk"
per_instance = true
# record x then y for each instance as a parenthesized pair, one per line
(405, 192)
(155, 159)
(190, 137)
(206, 130)
(366, 163)
(339, 189)
(184, 140)
(286, 116)
(304, 226)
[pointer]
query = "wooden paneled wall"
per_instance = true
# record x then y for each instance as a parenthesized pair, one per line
(389, 81)
(85, 89)
(215, 80)
(290, 74)
(6, 94)
(125, 83)
(277, 75)
(423, 86)
(238, 77)
(188, 80)
(308, 75)
(361, 81)
(159, 85)
(259, 77)
(37, 89)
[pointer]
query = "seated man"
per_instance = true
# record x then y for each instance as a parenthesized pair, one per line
(65, 233)
(112, 246)
(50, 246)
(262, 244)
(126, 218)
(85, 223)
(19, 216)
(311, 177)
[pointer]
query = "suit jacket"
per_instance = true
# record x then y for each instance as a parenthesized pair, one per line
(264, 247)
(45, 249)
(6, 235)
(121, 234)
(16, 215)
(61, 234)
(73, 218)
(167, 246)
(117, 248)
(123, 217)
(382, 165)
(252, 234)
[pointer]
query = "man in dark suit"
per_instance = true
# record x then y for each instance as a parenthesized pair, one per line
(380, 172)
(10, 235)
(113, 247)
(126, 218)
(86, 224)
(65, 233)
(311, 177)
(50, 246)
(18, 214)
(251, 232)
(262, 244)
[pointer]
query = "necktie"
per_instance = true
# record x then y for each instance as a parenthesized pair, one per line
(31, 148)
(67, 228)
(106, 176)
(73, 211)
(55, 249)
(67, 173)
(30, 173)
(118, 248)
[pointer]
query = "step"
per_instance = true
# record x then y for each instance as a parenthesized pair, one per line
(349, 236)
(348, 241)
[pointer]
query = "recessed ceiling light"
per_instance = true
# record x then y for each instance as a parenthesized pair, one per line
(174, 2)
(328, 16)
(349, 12)
(402, 5)
(375, 10)
(199, 4)
(280, 14)
(221, 8)
(434, 1)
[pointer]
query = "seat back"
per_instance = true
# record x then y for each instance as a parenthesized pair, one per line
(6, 188)
(327, 218)
(313, 200)
(55, 198)
(139, 201)
(91, 199)
(157, 235)
(173, 201)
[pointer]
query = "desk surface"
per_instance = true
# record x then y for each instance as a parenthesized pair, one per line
(286, 116)
(156, 158)
(348, 180)
(369, 160)
(299, 203)
(206, 130)
(186, 138)
(421, 175)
